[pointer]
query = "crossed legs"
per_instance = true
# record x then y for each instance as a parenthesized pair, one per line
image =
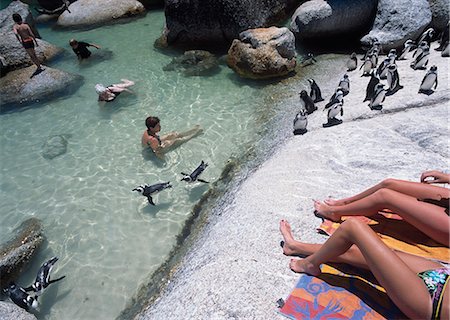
(174, 139)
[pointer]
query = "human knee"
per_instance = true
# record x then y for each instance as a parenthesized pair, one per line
(388, 183)
(353, 224)
(384, 195)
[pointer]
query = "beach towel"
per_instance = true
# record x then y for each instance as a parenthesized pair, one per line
(397, 234)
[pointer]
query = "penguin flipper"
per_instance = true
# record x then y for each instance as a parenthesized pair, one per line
(56, 280)
(150, 200)
(184, 174)
(28, 289)
(201, 180)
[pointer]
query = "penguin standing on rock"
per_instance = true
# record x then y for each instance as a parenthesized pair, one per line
(392, 56)
(334, 107)
(309, 60)
(300, 122)
(378, 97)
(148, 190)
(408, 47)
(367, 67)
(306, 102)
(383, 68)
(352, 62)
(344, 84)
(370, 90)
(421, 61)
(315, 93)
(43, 277)
(429, 81)
(420, 48)
(427, 36)
(393, 80)
(20, 297)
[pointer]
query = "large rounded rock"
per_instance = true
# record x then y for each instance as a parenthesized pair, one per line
(440, 14)
(22, 87)
(398, 21)
(15, 56)
(15, 254)
(319, 19)
(6, 21)
(196, 23)
(263, 53)
(9, 311)
(88, 13)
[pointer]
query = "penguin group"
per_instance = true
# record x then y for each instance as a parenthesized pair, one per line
(148, 190)
(376, 91)
(29, 301)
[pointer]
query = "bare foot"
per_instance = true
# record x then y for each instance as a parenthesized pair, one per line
(287, 244)
(303, 266)
(324, 211)
(333, 202)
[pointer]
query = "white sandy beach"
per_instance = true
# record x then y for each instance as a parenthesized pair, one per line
(236, 270)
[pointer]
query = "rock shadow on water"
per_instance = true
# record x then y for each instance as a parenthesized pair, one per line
(257, 83)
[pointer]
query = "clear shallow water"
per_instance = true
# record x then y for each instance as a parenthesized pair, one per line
(108, 238)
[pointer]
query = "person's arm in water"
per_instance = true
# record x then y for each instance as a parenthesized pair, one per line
(437, 177)
(96, 46)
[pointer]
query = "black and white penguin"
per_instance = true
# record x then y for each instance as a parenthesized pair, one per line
(344, 84)
(370, 90)
(20, 297)
(407, 48)
(429, 81)
(382, 69)
(392, 56)
(300, 122)
(194, 176)
(315, 93)
(308, 60)
(393, 80)
(366, 66)
(378, 97)
(147, 190)
(42, 280)
(334, 109)
(337, 97)
(306, 102)
(427, 36)
(420, 48)
(421, 61)
(352, 62)
(374, 58)
(443, 41)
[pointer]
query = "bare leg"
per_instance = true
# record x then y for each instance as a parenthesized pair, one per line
(33, 57)
(415, 189)
(398, 279)
(125, 83)
(174, 139)
(428, 218)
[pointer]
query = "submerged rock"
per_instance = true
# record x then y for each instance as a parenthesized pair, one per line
(263, 53)
(9, 311)
(16, 253)
(24, 86)
(54, 146)
(88, 13)
(193, 63)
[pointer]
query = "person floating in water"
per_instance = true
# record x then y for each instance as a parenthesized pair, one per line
(26, 37)
(160, 145)
(81, 48)
(112, 91)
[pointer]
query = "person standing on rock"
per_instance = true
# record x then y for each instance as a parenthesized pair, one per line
(81, 48)
(26, 37)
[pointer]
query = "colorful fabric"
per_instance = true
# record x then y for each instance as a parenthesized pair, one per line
(340, 292)
(436, 280)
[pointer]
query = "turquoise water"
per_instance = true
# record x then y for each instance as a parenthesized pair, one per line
(108, 238)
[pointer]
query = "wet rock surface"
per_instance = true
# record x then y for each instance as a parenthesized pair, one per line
(9, 311)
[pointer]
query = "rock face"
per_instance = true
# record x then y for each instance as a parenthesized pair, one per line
(6, 21)
(319, 19)
(263, 53)
(88, 13)
(54, 146)
(440, 12)
(194, 23)
(9, 311)
(15, 56)
(398, 21)
(23, 87)
(18, 251)
(194, 63)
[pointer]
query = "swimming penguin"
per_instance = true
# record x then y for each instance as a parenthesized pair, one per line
(194, 175)
(366, 66)
(378, 97)
(308, 60)
(334, 110)
(427, 36)
(307, 102)
(443, 41)
(370, 90)
(393, 80)
(21, 298)
(429, 81)
(420, 48)
(421, 61)
(383, 68)
(148, 190)
(407, 48)
(43, 277)
(315, 94)
(352, 62)
(300, 123)
(344, 84)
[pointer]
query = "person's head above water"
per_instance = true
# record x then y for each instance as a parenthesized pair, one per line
(73, 43)
(17, 18)
(151, 122)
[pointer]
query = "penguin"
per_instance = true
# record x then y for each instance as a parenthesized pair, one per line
(420, 48)
(21, 298)
(309, 60)
(315, 94)
(366, 66)
(443, 41)
(427, 36)
(148, 190)
(393, 80)
(421, 61)
(407, 48)
(344, 84)
(194, 175)
(370, 90)
(429, 81)
(382, 68)
(300, 123)
(374, 58)
(43, 277)
(352, 62)
(334, 110)
(392, 55)
(378, 97)
(306, 102)
(337, 97)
